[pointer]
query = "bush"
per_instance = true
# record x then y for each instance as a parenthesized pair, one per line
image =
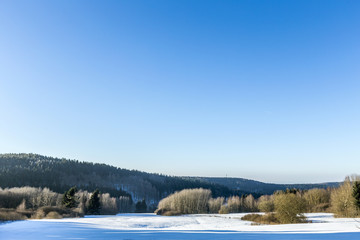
(60, 210)
(249, 204)
(43, 212)
(343, 202)
(39, 214)
(108, 205)
(215, 204)
(317, 200)
(224, 209)
(266, 204)
(289, 208)
(234, 204)
(10, 215)
(187, 201)
(269, 218)
(31, 202)
(168, 213)
(53, 215)
(31, 197)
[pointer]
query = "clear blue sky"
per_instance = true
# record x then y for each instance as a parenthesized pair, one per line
(267, 90)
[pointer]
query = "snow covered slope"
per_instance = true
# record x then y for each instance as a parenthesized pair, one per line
(150, 226)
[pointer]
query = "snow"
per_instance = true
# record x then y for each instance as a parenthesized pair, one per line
(150, 226)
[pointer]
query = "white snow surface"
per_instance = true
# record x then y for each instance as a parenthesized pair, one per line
(199, 226)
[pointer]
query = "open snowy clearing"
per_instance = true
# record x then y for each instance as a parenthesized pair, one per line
(150, 226)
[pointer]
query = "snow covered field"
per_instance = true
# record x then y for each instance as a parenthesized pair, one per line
(150, 226)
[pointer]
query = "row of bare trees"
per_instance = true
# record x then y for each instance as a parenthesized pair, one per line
(185, 202)
(35, 198)
(343, 201)
(194, 201)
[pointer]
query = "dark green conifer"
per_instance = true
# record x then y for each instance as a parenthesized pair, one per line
(94, 203)
(141, 206)
(69, 199)
(356, 193)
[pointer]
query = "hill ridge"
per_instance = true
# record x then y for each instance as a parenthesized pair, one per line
(58, 174)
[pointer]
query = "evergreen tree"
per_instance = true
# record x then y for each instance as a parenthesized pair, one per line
(69, 199)
(356, 193)
(94, 203)
(141, 206)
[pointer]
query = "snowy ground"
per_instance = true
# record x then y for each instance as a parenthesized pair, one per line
(150, 226)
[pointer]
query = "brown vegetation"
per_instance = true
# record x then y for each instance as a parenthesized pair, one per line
(28, 202)
(289, 208)
(343, 201)
(188, 201)
(269, 218)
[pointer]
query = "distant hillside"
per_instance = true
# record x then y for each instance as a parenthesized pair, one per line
(259, 187)
(34, 170)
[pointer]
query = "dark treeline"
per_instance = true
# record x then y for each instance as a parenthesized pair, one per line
(261, 188)
(17, 170)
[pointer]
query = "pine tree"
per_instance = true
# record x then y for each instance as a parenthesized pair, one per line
(69, 199)
(94, 203)
(356, 193)
(141, 206)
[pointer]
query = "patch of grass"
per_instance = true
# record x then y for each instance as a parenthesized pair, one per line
(11, 215)
(53, 215)
(269, 218)
(165, 212)
(55, 212)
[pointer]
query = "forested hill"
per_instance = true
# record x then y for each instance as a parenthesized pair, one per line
(34, 170)
(260, 187)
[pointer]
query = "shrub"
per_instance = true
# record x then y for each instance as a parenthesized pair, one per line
(289, 208)
(187, 201)
(234, 204)
(43, 212)
(169, 213)
(108, 204)
(249, 204)
(342, 200)
(10, 215)
(269, 218)
(39, 214)
(60, 210)
(238, 204)
(251, 217)
(215, 204)
(53, 215)
(317, 200)
(266, 203)
(33, 197)
(22, 206)
(224, 209)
